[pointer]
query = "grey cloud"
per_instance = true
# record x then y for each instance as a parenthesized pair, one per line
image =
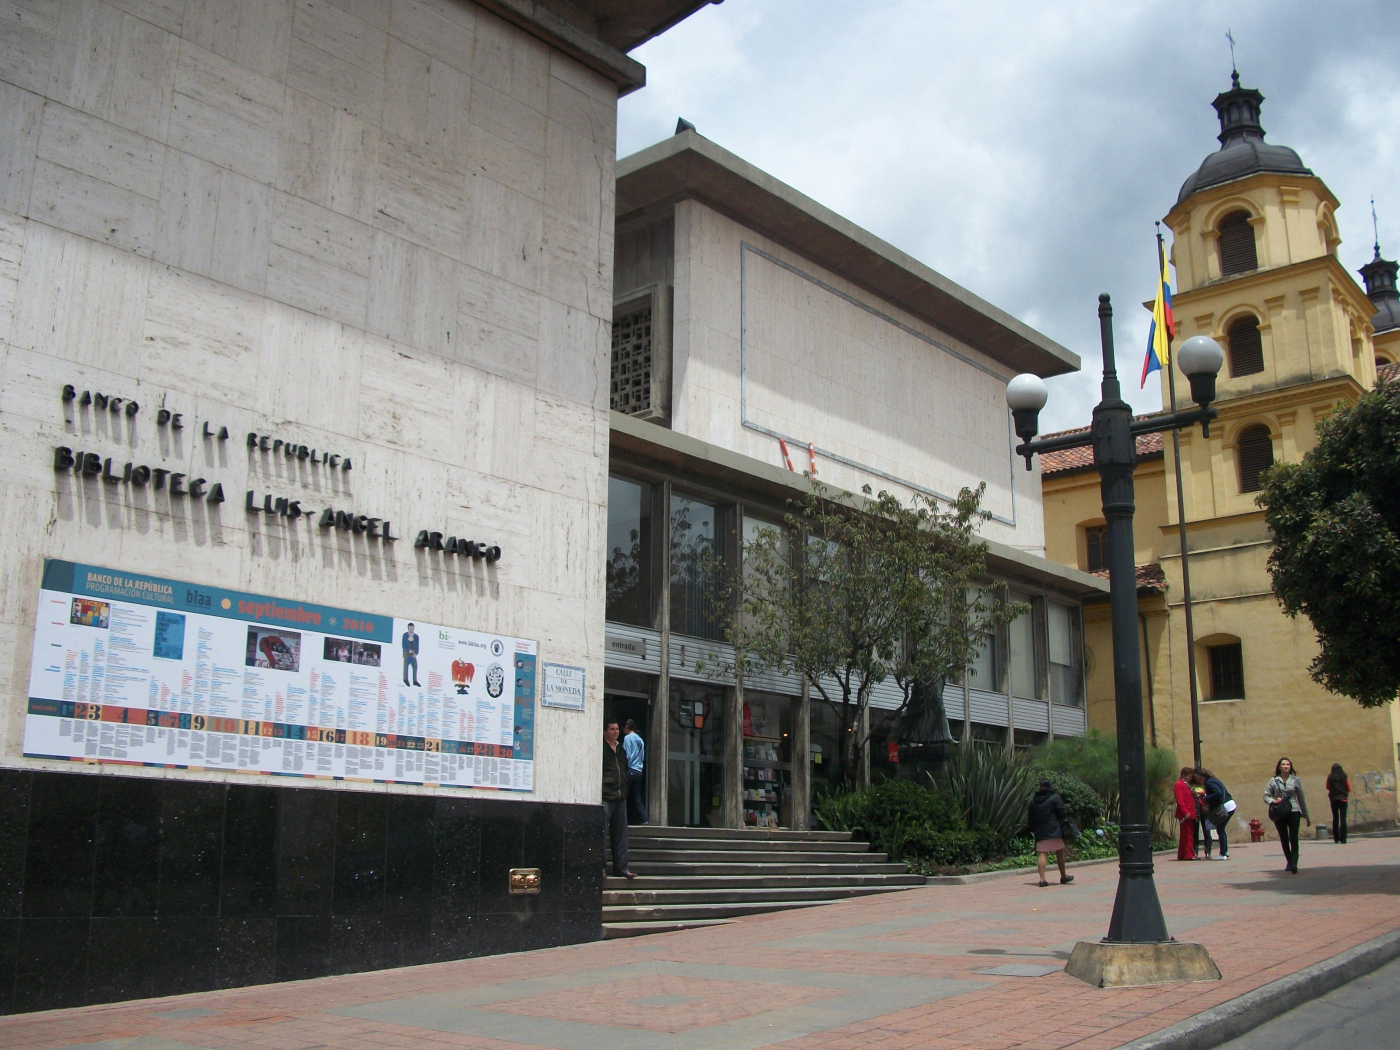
(1025, 149)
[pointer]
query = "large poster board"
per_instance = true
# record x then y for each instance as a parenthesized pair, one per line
(141, 670)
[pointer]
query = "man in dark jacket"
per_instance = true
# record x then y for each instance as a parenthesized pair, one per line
(615, 799)
(1046, 821)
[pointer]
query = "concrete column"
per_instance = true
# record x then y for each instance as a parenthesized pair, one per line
(732, 798)
(802, 761)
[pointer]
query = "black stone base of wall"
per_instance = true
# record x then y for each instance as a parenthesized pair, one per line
(119, 887)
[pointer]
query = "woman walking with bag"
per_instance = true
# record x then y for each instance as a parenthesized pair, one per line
(1338, 791)
(1287, 807)
(1050, 824)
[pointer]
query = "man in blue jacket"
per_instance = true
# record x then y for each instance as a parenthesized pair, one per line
(636, 750)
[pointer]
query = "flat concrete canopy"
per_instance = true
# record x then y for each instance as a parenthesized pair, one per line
(689, 166)
(598, 33)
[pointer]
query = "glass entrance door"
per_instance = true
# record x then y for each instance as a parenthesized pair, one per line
(695, 760)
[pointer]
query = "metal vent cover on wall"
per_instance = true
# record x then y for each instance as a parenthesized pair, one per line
(640, 375)
(632, 349)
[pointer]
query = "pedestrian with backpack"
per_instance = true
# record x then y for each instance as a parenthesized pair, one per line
(1287, 807)
(1219, 807)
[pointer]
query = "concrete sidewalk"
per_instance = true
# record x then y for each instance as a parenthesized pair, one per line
(939, 967)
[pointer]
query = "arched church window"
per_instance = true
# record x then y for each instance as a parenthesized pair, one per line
(1246, 347)
(1237, 254)
(1256, 456)
(1096, 547)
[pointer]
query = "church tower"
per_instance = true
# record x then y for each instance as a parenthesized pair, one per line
(1254, 243)
(1379, 275)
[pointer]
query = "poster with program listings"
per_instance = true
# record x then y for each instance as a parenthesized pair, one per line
(141, 670)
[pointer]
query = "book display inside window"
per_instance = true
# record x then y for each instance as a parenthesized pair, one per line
(767, 790)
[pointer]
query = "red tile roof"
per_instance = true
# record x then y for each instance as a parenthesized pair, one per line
(1069, 460)
(1388, 373)
(1150, 578)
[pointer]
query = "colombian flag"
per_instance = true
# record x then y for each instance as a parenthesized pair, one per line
(1159, 337)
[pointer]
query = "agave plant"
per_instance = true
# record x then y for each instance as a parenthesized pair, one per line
(993, 788)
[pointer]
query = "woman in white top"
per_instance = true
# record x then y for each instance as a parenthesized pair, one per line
(1287, 790)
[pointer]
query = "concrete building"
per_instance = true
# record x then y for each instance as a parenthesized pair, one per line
(291, 293)
(1254, 246)
(747, 316)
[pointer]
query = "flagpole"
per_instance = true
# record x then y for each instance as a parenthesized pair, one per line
(1181, 529)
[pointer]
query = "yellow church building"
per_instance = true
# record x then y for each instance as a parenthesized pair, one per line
(1254, 245)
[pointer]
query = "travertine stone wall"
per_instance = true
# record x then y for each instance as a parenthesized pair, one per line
(382, 229)
(830, 363)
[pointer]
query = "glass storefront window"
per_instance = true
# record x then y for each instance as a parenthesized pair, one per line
(697, 568)
(767, 792)
(695, 758)
(1021, 655)
(629, 552)
(1064, 679)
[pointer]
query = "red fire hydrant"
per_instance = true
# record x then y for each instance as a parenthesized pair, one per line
(1256, 830)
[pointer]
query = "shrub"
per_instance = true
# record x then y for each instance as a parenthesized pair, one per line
(991, 788)
(912, 823)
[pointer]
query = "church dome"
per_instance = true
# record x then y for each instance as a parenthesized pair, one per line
(1243, 150)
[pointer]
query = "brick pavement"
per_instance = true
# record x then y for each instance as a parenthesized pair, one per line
(899, 970)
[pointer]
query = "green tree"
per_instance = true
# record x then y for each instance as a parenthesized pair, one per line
(1335, 520)
(849, 596)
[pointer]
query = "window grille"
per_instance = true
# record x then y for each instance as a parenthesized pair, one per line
(1226, 672)
(1246, 348)
(632, 361)
(1096, 547)
(1256, 456)
(1237, 252)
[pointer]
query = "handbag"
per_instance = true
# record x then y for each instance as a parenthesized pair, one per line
(1279, 810)
(1069, 830)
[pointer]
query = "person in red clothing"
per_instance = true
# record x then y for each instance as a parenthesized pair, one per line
(1186, 816)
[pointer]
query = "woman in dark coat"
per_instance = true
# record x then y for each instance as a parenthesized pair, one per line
(1338, 792)
(1046, 821)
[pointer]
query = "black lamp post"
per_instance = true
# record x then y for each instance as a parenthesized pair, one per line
(1137, 914)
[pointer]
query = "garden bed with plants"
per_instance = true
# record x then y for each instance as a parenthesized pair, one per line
(972, 816)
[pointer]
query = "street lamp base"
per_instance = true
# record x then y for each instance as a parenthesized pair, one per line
(1121, 964)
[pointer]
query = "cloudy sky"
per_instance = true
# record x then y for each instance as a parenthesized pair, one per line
(1024, 149)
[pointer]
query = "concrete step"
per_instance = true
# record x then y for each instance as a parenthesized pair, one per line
(759, 881)
(672, 869)
(668, 842)
(715, 856)
(664, 912)
(772, 834)
(691, 895)
(614, 930)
